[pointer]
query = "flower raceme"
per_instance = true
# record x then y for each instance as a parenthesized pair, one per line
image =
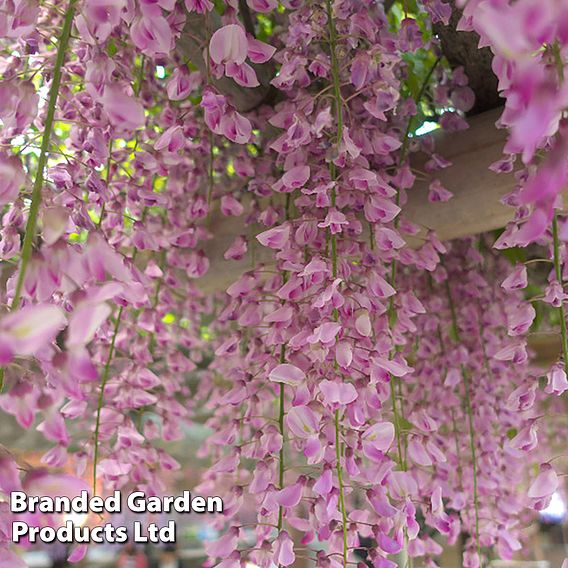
(351, 395)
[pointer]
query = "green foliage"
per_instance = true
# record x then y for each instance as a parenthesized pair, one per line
(265, 27)
(112, 49)
(220, 6)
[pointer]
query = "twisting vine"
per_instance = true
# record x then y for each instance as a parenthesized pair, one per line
(35, 204)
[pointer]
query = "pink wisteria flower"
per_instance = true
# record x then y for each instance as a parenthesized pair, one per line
(545, 483)
(29, 330)
(124, 111)
(276, 238)
(288, 374)
(12, 178)
(229, 45)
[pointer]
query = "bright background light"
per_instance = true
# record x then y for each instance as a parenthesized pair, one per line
(556, 510)
(427, 127)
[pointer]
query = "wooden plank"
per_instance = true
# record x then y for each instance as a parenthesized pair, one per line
(475, 207)
(545, 349)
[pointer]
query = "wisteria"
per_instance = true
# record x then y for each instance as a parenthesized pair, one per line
(368, 388)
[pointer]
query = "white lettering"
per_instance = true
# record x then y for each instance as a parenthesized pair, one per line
(19, 529)
(18, 502)
(136, 502)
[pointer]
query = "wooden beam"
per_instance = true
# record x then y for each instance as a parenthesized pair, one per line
(191, 46)
(475, 207)
(545, 349)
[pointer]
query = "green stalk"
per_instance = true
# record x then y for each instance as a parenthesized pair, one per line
(106, 374)
(281, 410)
(211, 157)
(108, 180)
(454, 424)
(137, 87)
(396, 423)
(31, 224)
(421, 92)
(556, 246)
(558, 272)
(333, 173)
(471, 426)
(403, 155)
(457, 446)
(281, 463)
(340, 481)
(472, 447)
(391, 309)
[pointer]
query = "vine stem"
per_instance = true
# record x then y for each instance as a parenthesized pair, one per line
(31, 224)
(108, 180)
(403, 155)
(340, 481)
(454, 424)
(211, 157)
(471, 426)
(396, 423)
(467, 388)
(421, 92)
(391, 308)
(558, 272)
(136, 88)
(555, 240)
(281, 462)
(281, 401)
(339, 117)
(106, 371)
(106, 374)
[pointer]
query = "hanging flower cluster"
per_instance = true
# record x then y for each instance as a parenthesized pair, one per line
(530, 68)
(359, 390)
(480, 386)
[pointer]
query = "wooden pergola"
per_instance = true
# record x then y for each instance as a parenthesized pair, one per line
(476, 205)
(475, 208)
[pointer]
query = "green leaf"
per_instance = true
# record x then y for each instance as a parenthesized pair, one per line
(111, 48)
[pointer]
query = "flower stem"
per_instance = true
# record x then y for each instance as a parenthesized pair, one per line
(340, 481)
(42, 161)
(281, 463)
(396, 423)
(339, 117)
(391, 307)
(403, 155)
(421, 92)
(471, 426)
(108, 180)
(469, 410)
(281, 411)
(332, 170)
(558, 272)
(136, 88)
(454, 424)
(106, 374)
